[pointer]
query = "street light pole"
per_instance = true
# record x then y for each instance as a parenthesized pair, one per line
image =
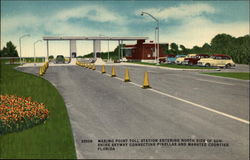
(157, 28)
(158, 43)
(108, 50)
(35, 50)
(20, 38)
(155, 54)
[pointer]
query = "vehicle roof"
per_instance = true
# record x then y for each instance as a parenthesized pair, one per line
(192, 54)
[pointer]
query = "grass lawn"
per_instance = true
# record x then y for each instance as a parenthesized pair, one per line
(172, 65)
(237, 75)
(51, 140)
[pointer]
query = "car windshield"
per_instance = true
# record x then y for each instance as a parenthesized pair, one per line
(59, 57)
(203, 56)
(178, 56)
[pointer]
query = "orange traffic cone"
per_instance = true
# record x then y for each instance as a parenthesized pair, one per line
(40, 71)
(103, 69)
(113, 73)
(93, 67)
(146, 81)
(126, 79)
(90, 66)
(43, 70)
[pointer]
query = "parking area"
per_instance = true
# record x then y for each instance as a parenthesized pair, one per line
(181, 104)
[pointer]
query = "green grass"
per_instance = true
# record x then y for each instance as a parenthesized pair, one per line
(50, 140)
(26, 60)
(173, 65)
(237, 75)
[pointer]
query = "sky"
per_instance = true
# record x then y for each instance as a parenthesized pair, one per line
(186, 22)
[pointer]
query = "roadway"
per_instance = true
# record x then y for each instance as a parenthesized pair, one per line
(181, 104)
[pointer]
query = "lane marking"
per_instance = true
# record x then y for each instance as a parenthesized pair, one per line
(215, 82)
(201, 106)
(186, 101)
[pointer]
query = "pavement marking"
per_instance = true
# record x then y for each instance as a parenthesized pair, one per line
(215, 82)
(200, 106)
(186, 101)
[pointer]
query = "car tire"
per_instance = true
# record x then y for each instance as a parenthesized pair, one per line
(207, 65)
(228, 66)
(190, 63)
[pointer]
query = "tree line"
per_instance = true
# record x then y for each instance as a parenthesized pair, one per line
(237, 48)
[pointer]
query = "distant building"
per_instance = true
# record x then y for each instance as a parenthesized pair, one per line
(144, 52)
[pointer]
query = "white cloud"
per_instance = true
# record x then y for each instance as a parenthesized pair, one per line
(194, 28)
(91, 12)
(15, 26)
(199, 31)
(10, 24)
(179, 12)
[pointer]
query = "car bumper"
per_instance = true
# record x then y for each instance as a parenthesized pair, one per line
(185, 62)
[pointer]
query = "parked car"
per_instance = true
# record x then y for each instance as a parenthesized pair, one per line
(194, 60)
(169, 57)
(162, 59)
(60, 59)
(180, 60)
(217, 60)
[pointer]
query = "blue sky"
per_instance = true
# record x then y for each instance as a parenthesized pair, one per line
(184, 22)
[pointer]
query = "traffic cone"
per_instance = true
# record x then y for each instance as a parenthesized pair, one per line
(43, 71)
(146, 81)
(113, 73)
(126, 79)
(93, 67)
(40, 71)
(103, 69)
(90, 66)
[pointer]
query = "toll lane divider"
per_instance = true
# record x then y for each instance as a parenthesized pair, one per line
(146, 85)
(43, 68)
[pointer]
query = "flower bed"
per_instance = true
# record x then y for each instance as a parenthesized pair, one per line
(18, 113)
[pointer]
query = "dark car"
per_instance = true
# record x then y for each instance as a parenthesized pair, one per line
(60, 59)
(194, 60)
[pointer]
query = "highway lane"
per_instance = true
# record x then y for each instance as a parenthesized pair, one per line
(226, 95)
(103, 107)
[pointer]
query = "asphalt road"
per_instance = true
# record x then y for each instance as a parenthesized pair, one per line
(180, 105)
